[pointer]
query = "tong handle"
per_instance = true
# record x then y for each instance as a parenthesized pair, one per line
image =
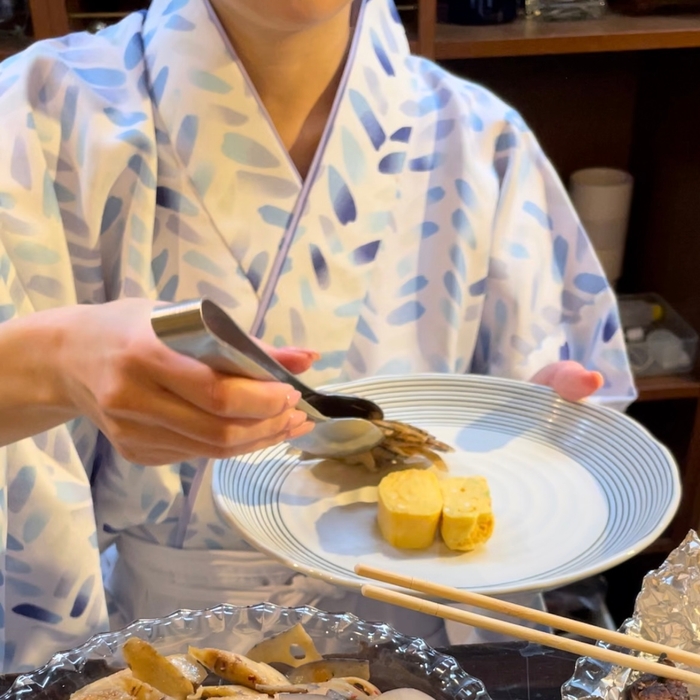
(202, 330)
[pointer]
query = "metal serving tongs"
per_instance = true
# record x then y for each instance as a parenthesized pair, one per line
(203, 330)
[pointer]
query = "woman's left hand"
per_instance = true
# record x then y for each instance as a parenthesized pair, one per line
(570, 380)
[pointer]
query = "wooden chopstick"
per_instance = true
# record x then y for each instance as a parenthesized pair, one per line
(537, 616)
(530, 635)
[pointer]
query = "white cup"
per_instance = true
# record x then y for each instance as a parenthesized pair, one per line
(602, 198)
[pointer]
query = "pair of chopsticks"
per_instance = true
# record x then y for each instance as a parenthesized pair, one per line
(530, 635)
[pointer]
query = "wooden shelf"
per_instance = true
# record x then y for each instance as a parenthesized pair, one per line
(663, 388)
(533, 37)
(11, 45)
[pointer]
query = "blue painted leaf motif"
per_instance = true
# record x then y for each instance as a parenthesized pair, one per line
(133, 52)
(140, 167)
(367, 119)
(355, 359)
(23, 588)
(478, 288)
(48, 286)
(170, 289)
(561, 253)
(116, 116)
(402, 135)
(377, 91)
(426, 163)
(536, 212)
(409, 312)
(209, 82)
(365, 331)
(518, 251)
(20, 168)
(611, 325)
(34, 525)
(186, 138)
(392, 163)
(320, 266)
(381, 53)
(13, 544)
(182, 229)
(230, 116)
(68, 112)
(268, 185)
(453, 286)
(204, 263)
(102, 77)
(158, 265)
(428, 229)
(83, 597)
(349, 310)
(257, 269)
(564, 352)
(353, 157)
(246, 151)
(298, 329)
(444, 128)
(435, 194)
(113, 208)
(365, 253)
(465, 192)
(179, 23)
(159, 84)
(457, 258)
(174, 6)
(590, 283)
(170, 199)
(463, 226)
(16, 566)
(449, 313)
(274, 215)
(36, 612)
(505, 142)
(20, 489)
(413, 286)
(430, 103)
(389, 36)
(137, 140)
(341, 197)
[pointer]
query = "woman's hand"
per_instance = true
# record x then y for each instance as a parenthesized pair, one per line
(157, 406)
(570, 380)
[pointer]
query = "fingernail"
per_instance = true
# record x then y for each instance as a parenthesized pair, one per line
(301, 430)
(309, 353)
(293, 398)
(295, 420)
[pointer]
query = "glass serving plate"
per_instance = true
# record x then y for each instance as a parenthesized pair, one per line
(396, 661)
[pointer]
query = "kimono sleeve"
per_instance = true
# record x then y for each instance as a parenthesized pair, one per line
(546, 296)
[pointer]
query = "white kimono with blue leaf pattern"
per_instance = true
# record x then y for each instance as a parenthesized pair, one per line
(431, 234)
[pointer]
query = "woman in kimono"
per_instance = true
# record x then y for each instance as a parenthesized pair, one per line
(294, 163)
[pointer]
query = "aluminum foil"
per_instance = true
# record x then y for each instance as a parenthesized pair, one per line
(667, 610)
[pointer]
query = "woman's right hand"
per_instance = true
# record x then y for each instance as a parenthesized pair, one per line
(155, 405)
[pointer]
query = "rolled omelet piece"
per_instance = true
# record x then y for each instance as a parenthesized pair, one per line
(467, 518)
(410, 503)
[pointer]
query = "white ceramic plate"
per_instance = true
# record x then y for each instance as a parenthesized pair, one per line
(576, 489)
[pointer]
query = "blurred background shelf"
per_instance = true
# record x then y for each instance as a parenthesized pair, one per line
(532, 38)
(664, 388)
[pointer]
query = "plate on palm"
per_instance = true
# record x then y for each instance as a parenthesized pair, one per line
(576, 489)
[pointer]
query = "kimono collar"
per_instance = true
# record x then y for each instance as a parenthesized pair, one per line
(207, 109)
(194, 71)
